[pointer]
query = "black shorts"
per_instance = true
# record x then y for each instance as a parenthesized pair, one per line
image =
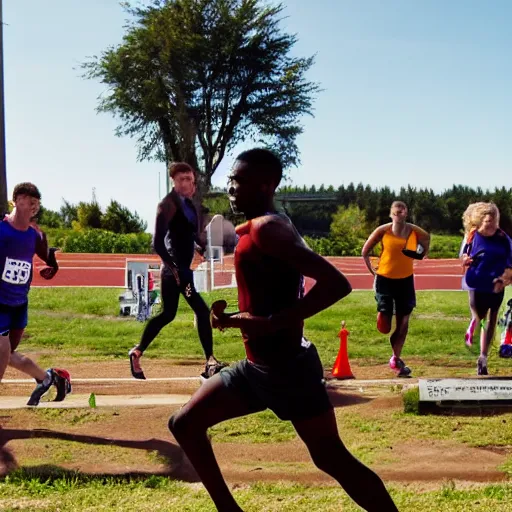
(395, 295)
(482, 302)
(293, 391)
(13, 317)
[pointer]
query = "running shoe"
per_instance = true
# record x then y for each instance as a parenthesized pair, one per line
(62, 381)
(401, 369)
(135, 354)
(41, 388)
(481, 367)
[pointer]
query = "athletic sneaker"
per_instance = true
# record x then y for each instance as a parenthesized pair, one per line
(397, 365)
(468, 337)
(135, 354)
(211, 369)
(62, 381)
(383, 323)
(481, 367)
(506, 351)
(42, 388)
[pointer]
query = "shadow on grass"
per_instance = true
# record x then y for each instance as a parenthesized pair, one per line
(177, 465)
(344, 399)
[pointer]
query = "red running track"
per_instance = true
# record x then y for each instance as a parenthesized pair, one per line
(108, 270)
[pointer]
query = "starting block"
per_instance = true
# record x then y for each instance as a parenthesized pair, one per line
(142, 292)
(480, 393)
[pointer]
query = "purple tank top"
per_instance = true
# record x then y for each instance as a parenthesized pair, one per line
(17, 249)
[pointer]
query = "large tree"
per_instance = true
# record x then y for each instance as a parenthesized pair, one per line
(193, 78)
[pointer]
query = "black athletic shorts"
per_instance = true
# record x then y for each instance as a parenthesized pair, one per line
(293, 391)
(483, 302)
(395, 295)
(13, 317)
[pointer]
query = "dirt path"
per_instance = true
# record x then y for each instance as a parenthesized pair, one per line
(129, 440)
(158, 368)
(110, 441)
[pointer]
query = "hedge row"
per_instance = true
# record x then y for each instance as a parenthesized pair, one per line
(441, 246)
(99, 241)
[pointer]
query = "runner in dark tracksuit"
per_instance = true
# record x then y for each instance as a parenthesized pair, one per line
(178, 232)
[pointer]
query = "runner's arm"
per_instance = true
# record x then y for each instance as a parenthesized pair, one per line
(201, 238)
(281, 241)
(47, 254)
(368, 246)
(423, 237)
(506, 277)
(165, 212)
(42, 246)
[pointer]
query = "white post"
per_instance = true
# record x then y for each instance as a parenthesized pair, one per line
(3, 173)
(210, 257)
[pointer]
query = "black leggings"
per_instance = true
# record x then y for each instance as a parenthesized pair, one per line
(170, 294)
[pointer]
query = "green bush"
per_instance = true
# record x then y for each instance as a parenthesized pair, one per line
(442, 246)
(411, 400)
(98, 241)
(445, 246)
(101, 241)
(56, 236)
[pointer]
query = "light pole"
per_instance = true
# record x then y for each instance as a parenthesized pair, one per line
(3, 171)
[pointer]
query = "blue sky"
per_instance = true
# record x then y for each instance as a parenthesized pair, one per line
(414, 92)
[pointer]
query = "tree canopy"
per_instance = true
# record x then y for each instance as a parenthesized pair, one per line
(194, 78)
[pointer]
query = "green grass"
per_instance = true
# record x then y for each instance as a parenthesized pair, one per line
(84, 323)
(25, 491)
(264, 427)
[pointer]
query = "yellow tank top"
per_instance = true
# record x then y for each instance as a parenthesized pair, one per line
(393, 263)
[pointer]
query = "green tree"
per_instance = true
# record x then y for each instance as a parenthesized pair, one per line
(219, 204)
(349, 230)
(120, 219)
(49, 218)
(384, 201)
(193, 78)
(68, 213)
(89, 215)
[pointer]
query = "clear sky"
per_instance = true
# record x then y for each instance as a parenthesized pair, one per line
(414, 92)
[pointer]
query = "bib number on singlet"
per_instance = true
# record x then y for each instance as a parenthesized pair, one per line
(16, 271)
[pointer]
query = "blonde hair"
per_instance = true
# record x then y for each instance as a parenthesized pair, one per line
(474, 215)
(398, 204)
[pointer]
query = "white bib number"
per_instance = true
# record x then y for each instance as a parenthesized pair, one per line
(16, 271)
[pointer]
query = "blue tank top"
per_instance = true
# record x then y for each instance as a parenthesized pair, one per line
(491, 256)
(17, 249)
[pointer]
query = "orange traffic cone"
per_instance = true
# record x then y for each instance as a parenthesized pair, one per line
(341, 369)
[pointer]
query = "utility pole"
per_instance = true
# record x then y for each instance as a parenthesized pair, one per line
(3, 171)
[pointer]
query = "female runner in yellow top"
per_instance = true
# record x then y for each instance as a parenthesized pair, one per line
(402, 242)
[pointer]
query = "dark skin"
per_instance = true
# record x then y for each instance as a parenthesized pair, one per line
(278, 238)
(214, 403)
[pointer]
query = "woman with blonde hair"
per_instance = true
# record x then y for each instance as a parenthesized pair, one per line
(487, 258)
(468, 221)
